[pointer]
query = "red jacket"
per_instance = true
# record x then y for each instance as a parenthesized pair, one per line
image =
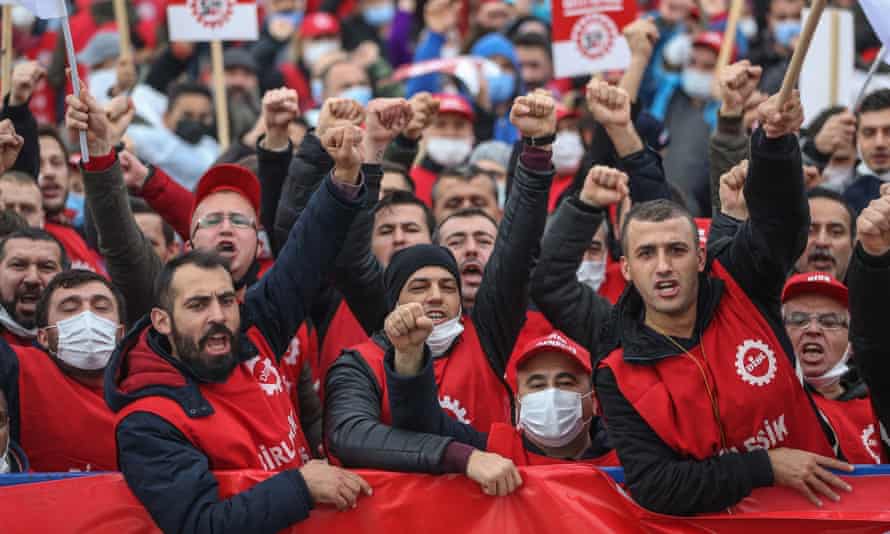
(423, 183)
(80, 254)
(171, 201)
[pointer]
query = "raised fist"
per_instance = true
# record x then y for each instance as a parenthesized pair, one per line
(737, 83)
(126, 76)
(839, 131)
(407, 328)
(120, 112)
(281, 107)
(385, 118)
(424, 110)
(732, 191)
(339, 112)
(25, 77)
(873, 224)
(344, 144)
(534, 115)
(641, 35)
(135, 172)
(332, 485)
(609, 105)
(777, 122)
(86, 115)
(10, 145)
(604, 186)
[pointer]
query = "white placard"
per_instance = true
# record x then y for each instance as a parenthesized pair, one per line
(816, 75)
(212, 20)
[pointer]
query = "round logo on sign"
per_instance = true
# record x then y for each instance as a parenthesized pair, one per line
(211, 13)
(594, 35)
(755, 362)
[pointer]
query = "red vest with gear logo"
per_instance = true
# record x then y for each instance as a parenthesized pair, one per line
(469, 391)
(506, 440)
(303, 349)
(855, 422)
(742, 377)
(65, 425)
(253, 425)
(344, 331)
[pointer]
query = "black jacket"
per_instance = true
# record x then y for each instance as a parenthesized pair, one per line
(869, 282)
(28, 160)
(169, 476)
(353, 431)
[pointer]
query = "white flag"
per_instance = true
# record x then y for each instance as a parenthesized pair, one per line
(44, 9)
(876, 13)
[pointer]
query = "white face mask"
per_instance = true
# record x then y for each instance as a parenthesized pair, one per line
(312, 52)
(553, 417)
(832, 376)
(592, 273)
(447, 151)
(836, 178)
(86, 341)
(567, 152)
(678, 49)
(443, 335)
(748, 27)
(697, 83)
(502, 194)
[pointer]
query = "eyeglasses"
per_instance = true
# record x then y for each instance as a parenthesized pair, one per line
(237, 220)
(828, 321)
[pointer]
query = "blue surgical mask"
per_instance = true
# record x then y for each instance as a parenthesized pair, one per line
(500, 87)
(785, 31)
(541, 10)
(295, 18)
(379, 15)
(317, 86)
(360, 93)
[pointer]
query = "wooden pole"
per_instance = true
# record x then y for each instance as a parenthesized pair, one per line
(834, 65)
(219, 94)
(6, 46)
(123, 28)
(732, 24)
(800, 52)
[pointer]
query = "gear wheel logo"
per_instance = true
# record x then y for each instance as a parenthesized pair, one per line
(266, 375)
(755, 362)
(453, 406)
(211, 13)
(869, 439)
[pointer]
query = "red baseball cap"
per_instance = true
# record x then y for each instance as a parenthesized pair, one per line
(555, 342)
(815, 282)
(451, 103)
(712, 40)
(229, 177)
(316, 24)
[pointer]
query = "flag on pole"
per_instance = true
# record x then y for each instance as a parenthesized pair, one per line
(876, 13)
(43, 9)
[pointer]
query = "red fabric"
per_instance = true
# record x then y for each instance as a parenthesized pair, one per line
(344, 331)
(557, 188)
(571, 499)
(423, 183)
(536, 325)
(171, 201)
(760, 399)
(253, 425)
(295, 80)
(506, 440)
(468, 389)
(854, 421)
(100, 163)
(614, 283)
(302, 350)
(65, 425)
(81, 255)
(13, 339)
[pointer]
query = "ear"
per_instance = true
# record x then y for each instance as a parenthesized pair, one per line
(161, 322)
(625, 269)
(259, 247)
(188, 246)
(42, 337)
(702, 259)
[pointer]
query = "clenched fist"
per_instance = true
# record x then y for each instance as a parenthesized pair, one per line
(604, 186)
(10, 145)
(408, 328)
(534, 115)
(839, 131)
(385, 118)
(873, 224)
(732, 191)
(331, 485)
(338, 112)
(609, 105)
(737, 83)
(120, 112)
(281, 107)
(641, 35)
(86, 115)
(344, 144)
(25, 77)
(778, 122)
(424, 109)
(496, 475)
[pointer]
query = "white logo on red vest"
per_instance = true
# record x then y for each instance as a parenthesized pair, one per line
(869, 439)
(453, 406)
(266, 375)
(293, 352)
(272, 458)
(211, 13)
(755, 362)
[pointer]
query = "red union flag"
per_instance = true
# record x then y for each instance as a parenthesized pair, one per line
(212, 20)
(587, 35)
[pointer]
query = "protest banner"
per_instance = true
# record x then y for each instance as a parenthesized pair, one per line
(587, 36)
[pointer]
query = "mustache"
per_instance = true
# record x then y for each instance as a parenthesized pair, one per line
(214, 330)
(821, 254)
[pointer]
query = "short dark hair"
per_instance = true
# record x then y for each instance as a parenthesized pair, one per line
(819, 120)
(656, 211)
(466, 174)
(18, 177)
(35, 234)
(69, 280)
(822, 192)
(533, 40)
(463, 213)
(137, 205)
(180, 89)
(10, 222)
(163, 289)
(46, 130)
(404, 198)
(874, 101)
(398, 168)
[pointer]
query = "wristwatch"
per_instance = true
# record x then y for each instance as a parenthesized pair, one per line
(539, 141)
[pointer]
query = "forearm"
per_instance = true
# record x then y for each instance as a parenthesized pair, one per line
(402, 151)
(273, 167)
(728, 147)
(306, 171)
(633, 76)
(170, 200)
(625, 139)
(28, 160)
(646, 176)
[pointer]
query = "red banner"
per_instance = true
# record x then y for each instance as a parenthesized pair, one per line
(565, 499)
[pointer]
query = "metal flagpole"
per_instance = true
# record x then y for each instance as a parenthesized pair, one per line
(871, 72)
(75, 78)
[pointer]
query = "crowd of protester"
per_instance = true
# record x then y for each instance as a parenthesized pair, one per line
(660, 268)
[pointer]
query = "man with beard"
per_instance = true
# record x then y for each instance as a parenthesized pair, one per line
(196, 385)
(57, 409)
(29, 259)
(831, 236)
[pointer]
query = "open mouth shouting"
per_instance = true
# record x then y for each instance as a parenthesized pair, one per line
(471, 272)
(667, 289)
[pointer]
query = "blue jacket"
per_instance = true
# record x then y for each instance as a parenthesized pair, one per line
(164, 470)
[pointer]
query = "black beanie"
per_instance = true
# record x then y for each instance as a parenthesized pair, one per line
(404, 263)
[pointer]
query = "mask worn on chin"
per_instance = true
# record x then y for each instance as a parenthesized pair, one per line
(360, 93)
(312, 52)
(191, 131)
(9, 323)
(448, 152)
(86, 341)
(567, 152)
(831, 376)
(697, 84)
(864, 170)
(592, 273)
(836, 178)
(443, 335)
(784, 32)
(553, 417)
(379, 15)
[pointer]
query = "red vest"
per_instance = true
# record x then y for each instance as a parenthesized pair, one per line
(506, 440)
(739, 373)
(614, 283)
(65, 425)
(81, 255)
(344, 331)
(468, 389)
(557, 188)
(294, 79)
(302, 350)
(253, 425)
(854, 421)
(423, 183)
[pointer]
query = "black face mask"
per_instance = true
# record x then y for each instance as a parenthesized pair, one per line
(191, 131)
